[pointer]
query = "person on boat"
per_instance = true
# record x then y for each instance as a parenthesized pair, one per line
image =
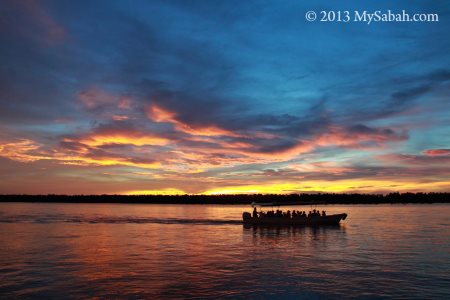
(294, 214)
(323, 213)
(255, 213)
(288, 214)
(279, 213)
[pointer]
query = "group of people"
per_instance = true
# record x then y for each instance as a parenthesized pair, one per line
(288, 214)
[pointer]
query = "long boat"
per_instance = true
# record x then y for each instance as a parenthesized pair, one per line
(296, 221)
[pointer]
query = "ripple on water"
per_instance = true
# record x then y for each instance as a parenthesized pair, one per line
(155, 251)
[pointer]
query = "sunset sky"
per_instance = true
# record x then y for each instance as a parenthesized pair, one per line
(174, 97)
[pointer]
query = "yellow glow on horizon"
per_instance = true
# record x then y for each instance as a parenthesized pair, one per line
(253, 189)
(168, 191)
(342, 186)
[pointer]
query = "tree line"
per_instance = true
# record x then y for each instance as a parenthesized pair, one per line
(320, 198)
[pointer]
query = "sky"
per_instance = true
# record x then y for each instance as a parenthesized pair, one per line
(222, 97)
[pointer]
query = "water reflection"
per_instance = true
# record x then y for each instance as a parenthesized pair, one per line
(144, 251)
(315, 232)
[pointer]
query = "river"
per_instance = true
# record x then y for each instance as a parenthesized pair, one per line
(55, 251)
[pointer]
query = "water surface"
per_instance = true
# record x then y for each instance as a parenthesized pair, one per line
(202, 251)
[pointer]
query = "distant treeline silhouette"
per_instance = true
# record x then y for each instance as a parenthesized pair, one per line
(238, 199)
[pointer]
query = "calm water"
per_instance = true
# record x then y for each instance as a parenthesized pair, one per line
(187, 251)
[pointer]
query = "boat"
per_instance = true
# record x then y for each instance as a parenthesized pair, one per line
(274, 220)
(297, 221)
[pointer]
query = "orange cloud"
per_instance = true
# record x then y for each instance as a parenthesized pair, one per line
(124, 103)
(23, 151)
(356, 136)
(103, 161)
(119, 118)
(437, 152)
(27, 151)
(123, 138)
(161, 115)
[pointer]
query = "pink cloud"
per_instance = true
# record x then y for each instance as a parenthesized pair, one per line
(358, 137)
(436, 152)
(94, 97)
(119, 118)
(420, 160)
(124, 103)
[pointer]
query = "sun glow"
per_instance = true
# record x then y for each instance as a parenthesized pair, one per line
(341, 186)
(168, 191)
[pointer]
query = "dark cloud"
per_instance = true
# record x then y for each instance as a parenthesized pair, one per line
(410, 94)
(383, 133)
(406, 95)
(438, 76)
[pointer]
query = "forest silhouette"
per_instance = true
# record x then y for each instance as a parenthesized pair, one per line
(325, 198)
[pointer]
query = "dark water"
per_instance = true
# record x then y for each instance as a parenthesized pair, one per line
(186, 251)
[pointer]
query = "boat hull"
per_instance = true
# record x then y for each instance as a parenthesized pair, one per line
(298, 221)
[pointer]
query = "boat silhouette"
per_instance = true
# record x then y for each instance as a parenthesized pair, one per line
(286, 219)
(296, 221)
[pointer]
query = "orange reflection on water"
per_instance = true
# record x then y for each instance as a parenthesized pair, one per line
(139, 251)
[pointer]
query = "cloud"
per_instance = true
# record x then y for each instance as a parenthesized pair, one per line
(22, 151)
(437, 152)
(406, 95)
(41, 26)
(430, 158)
(159, 114)
(122, 138)
(120, 118)
(124, 103)
(93, 98)
(201, 94)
